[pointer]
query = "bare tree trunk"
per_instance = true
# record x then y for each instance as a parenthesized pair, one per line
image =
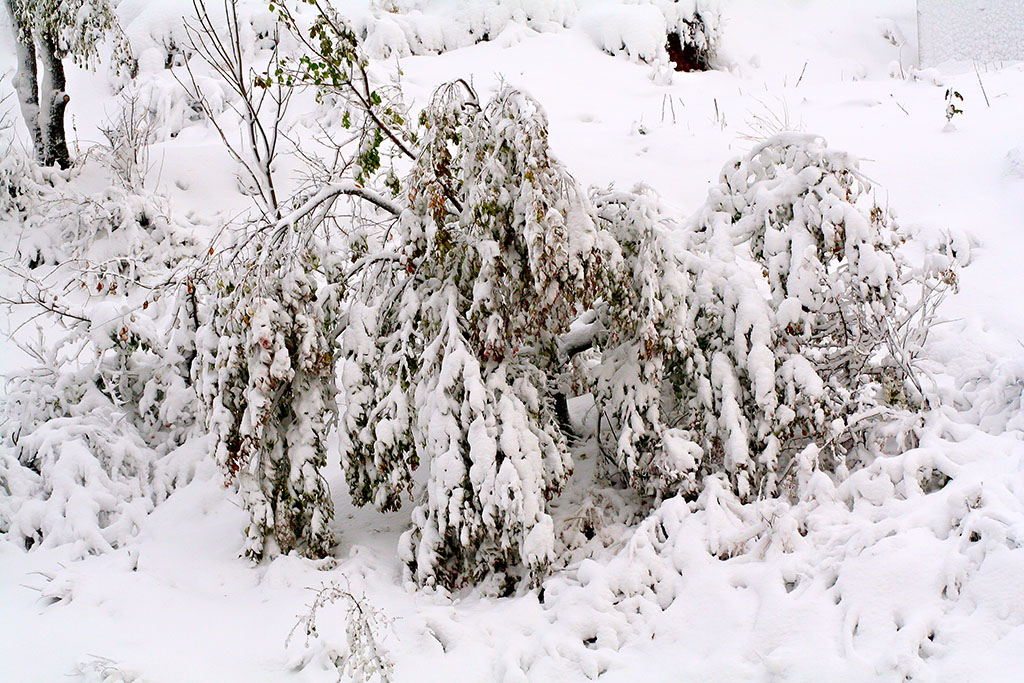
(54, 100)
(26, 82)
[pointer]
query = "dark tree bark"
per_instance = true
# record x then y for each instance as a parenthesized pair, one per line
(26, 79)
(54, 98)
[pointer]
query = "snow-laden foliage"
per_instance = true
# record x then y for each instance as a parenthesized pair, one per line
(336, 65)
(842, 300)
(115, 230)
(450, 361)
(78, 27)
(777, 340)
(119, 235)
(363, 656)
(267, 383)
(21, 183)
(655, 31)
(896, 561)
(694, 34)
(644, 336)
(768, 337)
(89, 432)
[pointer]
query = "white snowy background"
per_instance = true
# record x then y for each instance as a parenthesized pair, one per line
(886, 583)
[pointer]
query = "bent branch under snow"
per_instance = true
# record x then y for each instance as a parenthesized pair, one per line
(332, 192)
(580, 336)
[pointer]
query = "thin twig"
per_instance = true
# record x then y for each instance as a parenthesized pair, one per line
(978, 74)
(802, 71)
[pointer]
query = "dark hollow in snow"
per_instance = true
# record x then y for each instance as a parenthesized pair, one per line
(685, 57)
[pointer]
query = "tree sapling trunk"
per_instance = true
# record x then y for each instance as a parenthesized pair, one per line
(26, 78)
(54, 99)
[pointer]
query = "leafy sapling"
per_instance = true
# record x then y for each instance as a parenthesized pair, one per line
(450, 358)
(952, 97)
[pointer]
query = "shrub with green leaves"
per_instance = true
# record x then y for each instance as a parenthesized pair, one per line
(266, 378)
(777, 334)
(451, 362)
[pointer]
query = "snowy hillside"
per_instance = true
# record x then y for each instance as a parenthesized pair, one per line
(223, 362)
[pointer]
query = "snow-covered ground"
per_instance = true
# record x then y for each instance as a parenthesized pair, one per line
(881, 582)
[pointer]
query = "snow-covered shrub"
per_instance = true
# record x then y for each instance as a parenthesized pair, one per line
(693, 38)
(129, 134)
(450, 362)
(839, 286)
(21, 182)
(267, 346)
(363, 657)
(886, 554)
(655, 31)
(643, 333)
(88, 435)
(776, 340)
(123, 231)
(88, 432)
(267, 384)
(116, 230)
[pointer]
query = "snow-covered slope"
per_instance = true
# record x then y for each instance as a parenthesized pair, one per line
(872, 580)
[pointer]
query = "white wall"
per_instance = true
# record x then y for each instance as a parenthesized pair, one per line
(982, 30)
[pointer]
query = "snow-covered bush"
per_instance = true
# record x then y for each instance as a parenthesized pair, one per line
(272, 316)
(655, 31)
(363, 656)
(693, 35)
(843, 296)
(115, 229)
(123, 233)
(267, 383)
(128, 134)
(643, 333)
(450, 361)
(780, 338)
(88, 435)
(21, 182)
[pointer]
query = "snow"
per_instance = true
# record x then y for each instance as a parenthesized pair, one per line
(875, 579)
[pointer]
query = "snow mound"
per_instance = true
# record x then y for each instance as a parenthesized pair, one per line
(1013, 164)
(896, 569)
